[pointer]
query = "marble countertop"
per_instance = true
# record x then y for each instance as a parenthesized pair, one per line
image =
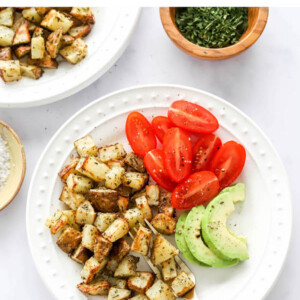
(263, 82)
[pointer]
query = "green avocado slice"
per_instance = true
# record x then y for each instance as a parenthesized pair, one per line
(181, 243)
(215, 232)
(192, 236)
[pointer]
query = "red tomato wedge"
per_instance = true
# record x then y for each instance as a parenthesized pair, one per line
(177, 148)
(198, 188)
(228, 163)
(192, 117)
(160, 126)
(154, 163)
(140, 134)
(204, 150)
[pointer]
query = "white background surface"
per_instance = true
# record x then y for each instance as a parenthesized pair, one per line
(263, 82)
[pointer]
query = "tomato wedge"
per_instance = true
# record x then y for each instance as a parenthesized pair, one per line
(160, 126)
(192, 117)
(177, 148)
(204, 150)
(228, 163)
(154, 163)
(140, 134)
(198, 188)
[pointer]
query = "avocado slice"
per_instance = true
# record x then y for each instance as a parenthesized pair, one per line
(181, 243)
(192, 236)
(215, 232)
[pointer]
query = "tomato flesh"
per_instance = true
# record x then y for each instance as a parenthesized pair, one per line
(160, 126)
(204, 150)
(140, 134)
(177, 148)
(198, 188)
(228, 163)
(192, 117)
(154, 163)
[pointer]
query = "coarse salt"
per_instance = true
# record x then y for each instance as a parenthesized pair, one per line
(4, 162)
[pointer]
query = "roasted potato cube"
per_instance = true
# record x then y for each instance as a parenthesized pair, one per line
(79, 184)
(127, 267)
(91, 167)
(120, 249)
(31, 15)
(6, 36)
(54, 42)
(5, 53)
(37, 47)
(116, 282)
(81, 254)
(165, 205)
(101, 248)
(71, 214)
(169, 269)
(124, 191)
(29, 71)
(118, 294)
(142, 241)
(68, 169)
(134, 217)
(164, 224)
(108, 153)
(116, 230)
(69, 240)
(98, 287)
(91, 268)
(80, 31)
(55, 20)
(162, 250)
(141, 282)
(45, 62)
(135, 180)
(160, 291)
(86, 146)
(75, 52)
(123, 204)
(89, 236)
(38, 31)
(7, 17)
(182, 284)
(113, 177)
(22, 51)
(139, 297)
(152, 194)
(115, 163)
(67, 40)
(104, 220)
(143, 205)
(10, 70)
(42, 10)
(84, 14)
(112, 265)
(57, 222)
(135, 161)
(138, 194)
(73, 200)
(104, 200)
(85, 213)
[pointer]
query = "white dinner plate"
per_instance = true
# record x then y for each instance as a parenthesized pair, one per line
(108, 39)
(265, 217)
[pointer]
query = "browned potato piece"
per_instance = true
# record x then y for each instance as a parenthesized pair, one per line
(73, 200)
(124, 191)
(143, 205)
(135, 161)
(103, 220)
(55, 20)
(22, 35)
(86, 146)
(102, 248)
(182, 284)
(5, 53)
(31, 15)
(67, 40)
(83, 14)
(142, 241)
(91, 268)
(127, 267)
(104, 200)
(120, 249)
(57, 222)
(135, 180)
(165, 206)
(164, 224)
(116, 230)
(10, 70)
(141, 282)
(118, 294)
(98, 287)
(75, 52)
(160, 291)
(123, 204)
(22, 51)
(7, 16)
(38, 31)
(32, 72)
(46, 62)
(85, 213)
(69, 240)
(80, 31)
(81, 254)
(54, 42)
(6, 36)
(152, 194)
(169, 270)
(89, 236)
(68, 169)
(42, 10)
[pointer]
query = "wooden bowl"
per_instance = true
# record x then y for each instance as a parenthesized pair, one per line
(18, 165)
(257, 19)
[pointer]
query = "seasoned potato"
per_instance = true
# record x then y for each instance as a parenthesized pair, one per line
(68, 169)
(84, 14)
(123, 204)
(85, 213)
(29, 71)
(69, 240)
(89, 236)
(113, 177)
(142, 241)
(104, 220)
(98, 287)
(139, 297)
(22, 51)
(38, 31)
(165, 205)
(5, 53)
(6, 36)
(57, 222)
(143, 205)
(81, 254)
(115, 163)
(116, 282)
(135, 161)
(45, 62)
(7, 17)
(141, 282)
(37, 47)
(182, 284)
(31, 15)
(55, 20)
(135, 180)
(104, 200)
(101, 248)
(54, 42)
(80, 31)
(116, 230)
(108, 153)
(73, 200)
(85, 146)
(67, 40)
(112, 265)
(70, 214)
(127, 267)
(164, 224)
(79, 184)
(10, 70)
(160, 291)
(42, 10)
(75, 52)
(152, 194)
(169, 269)
(134, 217)
(118, 294)
(120, 249)
(91, 268)
(124, 191)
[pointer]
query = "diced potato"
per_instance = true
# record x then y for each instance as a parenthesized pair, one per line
(10, 70)
(84, 14)
(73, 200)
(45, 62)
(29, 71)
(115, 163)
(42, 10)
(79, 184)
(169, 270)
(5, 53)
(91, 167)
(135, 180)
(37, 47)
(138, 194)
(7, 17)
(142, 241)
(134, 217)
(108, 153)
(71, 214)
(86, 146)
(113, 177)
(141, 282)
(139, 297)
(91, 268)
(85, 213)
(112, 265)
(160, 291)
(80, 31)
(68, 169)
(102, 248)
(120, 249)
(75, 52)
(57, 222)
(81, 254)
(38, 31)
(165, 205)
(69, 240)
(31, 15)
(162, 250)
(18, 20)
(123, 204)
(116, 230)
(164, 224)
(89, 236)
(135, 161)
(55, 20)
(104, 220)
(143, 205)
(98, 287)
(127, 267)
(6, 36)
(53, 43)
(152, 194)
(124, 191)
(22, 51)
(67, 40)
(118, 294)
(64, 9)
(116, 282)
(104, 200)
(182, 284)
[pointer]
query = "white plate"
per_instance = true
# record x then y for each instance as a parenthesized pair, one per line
(265, 217)
(106, 42)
